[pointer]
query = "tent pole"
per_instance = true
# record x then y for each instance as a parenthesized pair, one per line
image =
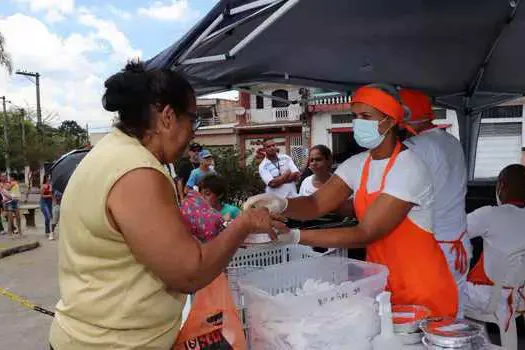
(205, 59)
(469, 126)
(253, 5)
(232, 26)
(201, 37)
(262, 27)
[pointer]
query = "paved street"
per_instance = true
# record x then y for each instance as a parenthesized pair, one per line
(32, 275)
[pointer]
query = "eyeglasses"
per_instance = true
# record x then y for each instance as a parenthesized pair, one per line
(195, 119)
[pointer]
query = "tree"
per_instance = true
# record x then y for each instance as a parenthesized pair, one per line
(75, 136)
(242, 180)
(27, 147)
(5, 58)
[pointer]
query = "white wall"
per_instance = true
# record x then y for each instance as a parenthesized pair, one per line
(321, 123)
(293, 94)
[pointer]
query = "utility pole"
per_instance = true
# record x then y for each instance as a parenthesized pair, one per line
(35, 75)
(6, 139)
(23, 127)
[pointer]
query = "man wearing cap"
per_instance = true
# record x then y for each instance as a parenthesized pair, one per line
(444, 157)
(205, 168)
(187, 164)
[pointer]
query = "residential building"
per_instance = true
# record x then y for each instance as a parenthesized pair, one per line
(501, 136)
(268, 115)
(219, 119)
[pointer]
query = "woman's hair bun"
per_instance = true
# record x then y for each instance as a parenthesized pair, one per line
(124, 88)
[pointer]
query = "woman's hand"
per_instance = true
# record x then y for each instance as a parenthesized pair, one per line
(259, 220)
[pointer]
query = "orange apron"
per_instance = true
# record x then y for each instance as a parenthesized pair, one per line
(419, 273)
(477, 275)
(458, 248)
(461, 262)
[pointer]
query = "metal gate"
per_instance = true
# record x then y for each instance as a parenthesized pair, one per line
(298, 153)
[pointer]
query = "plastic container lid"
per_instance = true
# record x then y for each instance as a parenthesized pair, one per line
(407, 318)
(258, 238)
(477, 343)
(410, 338)
(448, 332)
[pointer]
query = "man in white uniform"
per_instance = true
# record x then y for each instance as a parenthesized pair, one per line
(503, 231)
(278, 172)
(443, 155)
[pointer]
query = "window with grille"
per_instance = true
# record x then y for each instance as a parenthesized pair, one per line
(342, 118)
(503, 112)
(259, 102)
(499, 145)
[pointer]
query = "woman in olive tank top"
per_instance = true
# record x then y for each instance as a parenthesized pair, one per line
(126, 259)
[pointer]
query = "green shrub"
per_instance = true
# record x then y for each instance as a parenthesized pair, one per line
(242, 180)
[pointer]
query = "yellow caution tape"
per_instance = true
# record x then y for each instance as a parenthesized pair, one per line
(24, 302)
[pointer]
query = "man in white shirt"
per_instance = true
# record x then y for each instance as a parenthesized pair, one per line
(503, 231)
(278, 172)
(443, 155)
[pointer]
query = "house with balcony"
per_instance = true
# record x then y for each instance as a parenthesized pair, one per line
(219, 119)
(268, 115)
(501, 133)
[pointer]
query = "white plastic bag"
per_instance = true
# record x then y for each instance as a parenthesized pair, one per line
(349, 322)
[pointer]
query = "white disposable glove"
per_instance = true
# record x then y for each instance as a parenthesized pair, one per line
(275, 204)
(292, 237)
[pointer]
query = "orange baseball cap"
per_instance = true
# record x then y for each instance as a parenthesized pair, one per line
(380, 100)
(419, 104)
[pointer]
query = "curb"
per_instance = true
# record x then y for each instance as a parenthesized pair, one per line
(19, 249)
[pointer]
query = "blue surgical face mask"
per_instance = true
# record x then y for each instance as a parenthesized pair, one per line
(366, 133)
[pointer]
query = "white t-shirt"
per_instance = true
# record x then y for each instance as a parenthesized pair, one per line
(443, 155)
(269, 170)
(503, 231)
(409, 180)
(307, 187)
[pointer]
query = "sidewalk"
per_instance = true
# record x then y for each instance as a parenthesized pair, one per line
(29, 241)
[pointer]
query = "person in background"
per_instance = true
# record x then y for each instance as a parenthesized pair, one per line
(278, 172)
(126, 257)
(11, 195)
(46, 203)
(320, 163)
(213, 188)
(393, 201)
(502, 230)
(189, 163)
(443, 155)
(259, 156)
(57, 197)
(205, 168)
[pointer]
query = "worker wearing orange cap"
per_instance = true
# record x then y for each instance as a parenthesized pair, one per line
(393, 199)
(444, 157)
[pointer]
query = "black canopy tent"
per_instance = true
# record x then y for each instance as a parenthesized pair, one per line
(467, 54)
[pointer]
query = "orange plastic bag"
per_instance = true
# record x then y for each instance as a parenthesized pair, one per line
(213, 322)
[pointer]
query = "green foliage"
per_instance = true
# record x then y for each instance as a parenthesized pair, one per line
(5, 58)
(41, 146)
(242, 180)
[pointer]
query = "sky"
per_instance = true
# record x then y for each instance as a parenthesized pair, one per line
(76, 44)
